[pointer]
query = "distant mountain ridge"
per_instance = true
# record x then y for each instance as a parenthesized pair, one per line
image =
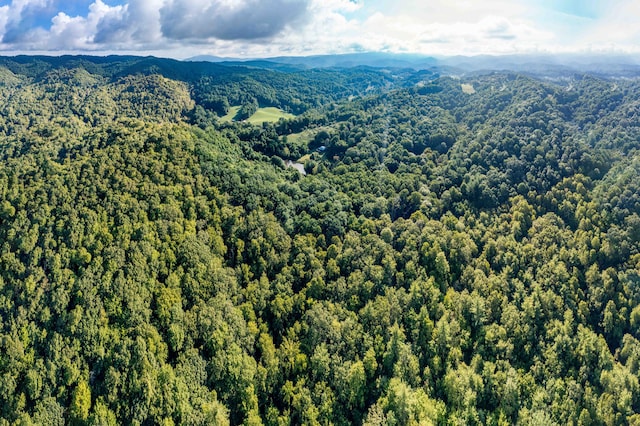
(372, 59)
(545, 65)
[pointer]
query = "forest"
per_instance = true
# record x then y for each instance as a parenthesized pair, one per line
(461, 250)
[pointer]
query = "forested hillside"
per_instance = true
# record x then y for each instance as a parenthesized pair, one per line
(459, 251)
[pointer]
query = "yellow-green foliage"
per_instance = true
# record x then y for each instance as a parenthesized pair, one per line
(447, 259)
(269, 114)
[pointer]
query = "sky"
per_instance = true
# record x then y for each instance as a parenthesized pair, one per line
(268, 28)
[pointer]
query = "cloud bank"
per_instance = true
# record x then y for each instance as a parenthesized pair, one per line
(182, 28)
(146, 24)
(230, 20)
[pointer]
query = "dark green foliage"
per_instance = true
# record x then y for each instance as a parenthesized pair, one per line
(449, 258)
(247, 110)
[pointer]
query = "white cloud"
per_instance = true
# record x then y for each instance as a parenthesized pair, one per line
(78, 32)
(402, 31)
(131, 26)
(68, 32)
(229, 20)
(4, 18)
(19, 12)
(135, 24)
(618, 29)
(144, 16)
(347, 6)
(492, 34)
(287, 27)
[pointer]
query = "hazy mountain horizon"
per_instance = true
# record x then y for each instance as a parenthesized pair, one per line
(623, 65)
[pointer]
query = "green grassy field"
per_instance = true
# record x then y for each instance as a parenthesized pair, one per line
(232, 113)
(468, 89)
(304, 136)
(268, 114)
(304, 158)
(307, 136)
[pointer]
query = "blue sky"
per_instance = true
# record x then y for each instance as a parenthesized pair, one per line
(259, 28)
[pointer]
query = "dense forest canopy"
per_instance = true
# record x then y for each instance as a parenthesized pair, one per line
(460, 250)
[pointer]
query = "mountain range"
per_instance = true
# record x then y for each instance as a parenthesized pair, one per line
(548, 65)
